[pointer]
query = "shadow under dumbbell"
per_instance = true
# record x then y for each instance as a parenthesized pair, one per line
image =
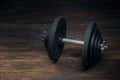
(75, 54)
(70, 59)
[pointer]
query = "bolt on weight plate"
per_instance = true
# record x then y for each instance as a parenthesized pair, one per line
(91, 48)
(99, 48)
(95, 46)
(52, 42)
(92, 44)
(86, 52)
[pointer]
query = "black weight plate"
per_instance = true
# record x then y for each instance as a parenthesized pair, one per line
(92, 43)
(95, 49)
(99, 47)
(98, 50)
(93, 46)
(46, 40)
(86, 50)
(55, 46)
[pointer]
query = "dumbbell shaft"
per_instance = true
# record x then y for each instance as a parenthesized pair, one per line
(103, 46)
(72, 41)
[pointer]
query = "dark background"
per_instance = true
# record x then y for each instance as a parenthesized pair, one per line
(36, 9)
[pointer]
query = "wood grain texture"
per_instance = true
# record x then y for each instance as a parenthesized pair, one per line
(23, 55)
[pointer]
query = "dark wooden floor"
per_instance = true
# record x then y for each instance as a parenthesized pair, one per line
(23, 55)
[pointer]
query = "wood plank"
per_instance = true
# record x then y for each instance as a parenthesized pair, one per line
(29, 59)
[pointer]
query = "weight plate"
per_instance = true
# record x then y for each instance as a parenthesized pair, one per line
(86, 50)
(53, 45)
(95, 49)
(92, 44)
(46, 40)
(99, 47)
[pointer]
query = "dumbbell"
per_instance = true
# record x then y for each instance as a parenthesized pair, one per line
(55, 37)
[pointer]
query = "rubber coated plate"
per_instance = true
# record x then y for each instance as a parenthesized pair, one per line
(95, 46)
(53, 45)
(99, 48)
(86, 50)
(92, 44)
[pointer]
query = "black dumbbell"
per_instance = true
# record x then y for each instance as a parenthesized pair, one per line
(55, 37)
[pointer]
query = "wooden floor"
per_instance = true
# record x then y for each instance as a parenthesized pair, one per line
(23, 55)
